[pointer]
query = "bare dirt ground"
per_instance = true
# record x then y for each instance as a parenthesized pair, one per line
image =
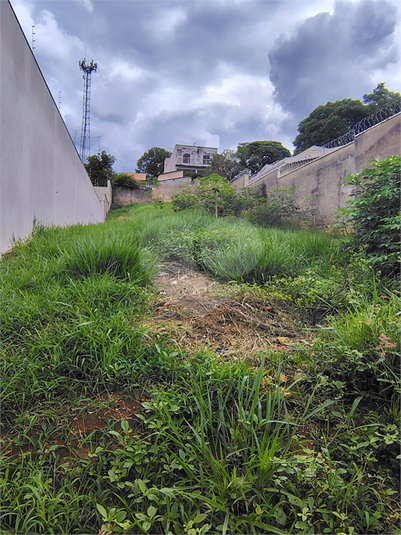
(198, 311)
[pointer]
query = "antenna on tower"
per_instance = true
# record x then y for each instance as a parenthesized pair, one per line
(33, 37)
(85, 130)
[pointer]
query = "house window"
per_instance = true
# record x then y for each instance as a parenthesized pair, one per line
(206, 159)
(186, 158)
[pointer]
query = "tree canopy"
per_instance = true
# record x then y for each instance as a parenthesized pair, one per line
(152, 162)
(381, 96)
(257, 154)
(225, 164)
(332, 120)
(99, 168)
(329, 121)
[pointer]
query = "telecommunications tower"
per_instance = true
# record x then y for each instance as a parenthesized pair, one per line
(85, 130)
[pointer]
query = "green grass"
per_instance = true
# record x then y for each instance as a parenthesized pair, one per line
(219, 447)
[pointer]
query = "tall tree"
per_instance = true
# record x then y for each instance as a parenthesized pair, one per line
(257, 154)
(100, 168)
(152, 162)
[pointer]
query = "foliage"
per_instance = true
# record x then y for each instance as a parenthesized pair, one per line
(362, 347)
(280, 209)
(381, 96)
(99, 168)
(184, 199)
(257, 154)
(213, 195)
(152, 162)
(374, 213)
(327, 122)
(123, 180)
(300, 440)
(225, 164)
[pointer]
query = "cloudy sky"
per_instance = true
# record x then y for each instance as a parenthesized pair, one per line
(208, 72)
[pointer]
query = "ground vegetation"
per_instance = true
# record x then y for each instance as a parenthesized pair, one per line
(174, 372)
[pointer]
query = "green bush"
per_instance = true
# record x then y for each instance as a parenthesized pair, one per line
(280, 209)
(123, 180)
(374, 213)
(361, 348)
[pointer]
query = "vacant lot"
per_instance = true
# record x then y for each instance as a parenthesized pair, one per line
(174, 373)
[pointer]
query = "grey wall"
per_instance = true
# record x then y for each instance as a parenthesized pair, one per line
(41, 174)
(320, 185)
(127, 196)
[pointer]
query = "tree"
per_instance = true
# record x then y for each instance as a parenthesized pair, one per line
(381, 96)
(257, 154)
(99, 168)
(332, 120)
(212, 194)
(225, 164)
(329, 121)
(152, 162)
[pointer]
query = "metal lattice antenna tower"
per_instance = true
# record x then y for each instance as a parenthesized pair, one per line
(85, 130)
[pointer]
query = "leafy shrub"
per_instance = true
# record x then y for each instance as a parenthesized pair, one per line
(374, 213)
(123, 180)
(184, 199)
(213, 195)
(362, 347)
(281, 209)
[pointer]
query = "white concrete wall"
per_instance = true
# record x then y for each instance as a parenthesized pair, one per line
(41, 175)
(105, 196)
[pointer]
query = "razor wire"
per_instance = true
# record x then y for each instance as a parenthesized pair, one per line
(367, 122)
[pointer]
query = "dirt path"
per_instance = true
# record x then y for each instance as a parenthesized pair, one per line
(197, 311)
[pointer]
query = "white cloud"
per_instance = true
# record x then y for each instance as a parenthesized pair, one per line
(88, 5)
(124, 70)
(54, 42)
(165, 24)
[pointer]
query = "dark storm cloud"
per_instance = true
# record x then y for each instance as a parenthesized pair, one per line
(331, 57)
(198, 70)
(207, 32)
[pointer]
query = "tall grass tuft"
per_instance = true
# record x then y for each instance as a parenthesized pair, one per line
(103, 252)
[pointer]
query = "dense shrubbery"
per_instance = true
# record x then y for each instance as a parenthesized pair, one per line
(374, 214)
(214, 195)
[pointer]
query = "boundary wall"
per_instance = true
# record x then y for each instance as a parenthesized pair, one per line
(167, 188)
(41, 174)
(105, 196)
(319, 185)
(127, 196)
